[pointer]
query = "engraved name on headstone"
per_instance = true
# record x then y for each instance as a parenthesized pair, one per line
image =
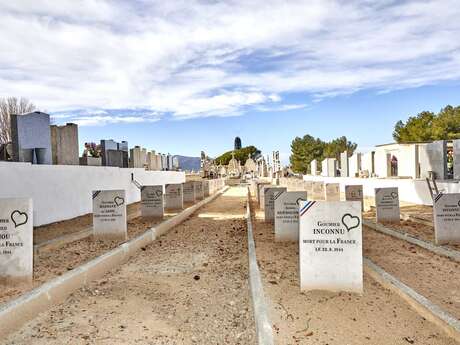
(109, 215)
(16, 241)
(330, 246)
(287, 215)
(387, 204)
(152, 201)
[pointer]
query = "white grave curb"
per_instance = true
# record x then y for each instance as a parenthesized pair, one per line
(264, 331)
(449, 253)
(421, 304)
(17, 312)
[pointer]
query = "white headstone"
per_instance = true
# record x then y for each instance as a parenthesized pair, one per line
(174, 199)
(189, 191)
(317, 190)
(109, 214)
(287, 215)
(330, 246)
(355, 193)
(270, 195)
(199, 193)
(152, 201)
(206, 189)
(387, 204)
(332, 191)
(447, 218)
(16, 241)
(261, 189)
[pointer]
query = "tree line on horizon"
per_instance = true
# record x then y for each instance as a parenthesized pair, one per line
(428, 126)
(306, 149)
(241, 155)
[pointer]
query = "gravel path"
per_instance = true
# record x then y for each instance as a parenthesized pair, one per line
(188, 287)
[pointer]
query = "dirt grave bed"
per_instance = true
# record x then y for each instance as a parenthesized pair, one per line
(49, 264)
(378, 317)
(190, 286)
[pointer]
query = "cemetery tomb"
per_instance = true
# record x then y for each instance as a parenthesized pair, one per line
(260, 193)
(64, 144)
(199, 193)
(387, 204)
(317, 190)
(174, 196)
(109, 215)
(355, 193)
(16, 241)
(152, 201)
(344, 170)
(287, 215)
(31, 137)
(446, 212)
(330, 246)
(270, 195)
(332, 191)
(189, 191)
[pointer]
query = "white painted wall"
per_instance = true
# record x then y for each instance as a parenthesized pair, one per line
(62, 192)
(410, 190)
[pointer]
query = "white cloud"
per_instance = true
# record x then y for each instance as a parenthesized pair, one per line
(200, 58)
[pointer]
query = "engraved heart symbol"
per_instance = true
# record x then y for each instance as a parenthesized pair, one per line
(300, 199)
(158, 193)
(19, 218)
(119, 201)
(458, 203)
(350, 222)
(394, 195)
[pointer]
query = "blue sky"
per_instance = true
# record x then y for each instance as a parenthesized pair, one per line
(186, 76)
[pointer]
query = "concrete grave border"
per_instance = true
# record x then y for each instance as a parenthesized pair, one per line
(264, 331)
(423, 306)
(443, 251)
(17, 312)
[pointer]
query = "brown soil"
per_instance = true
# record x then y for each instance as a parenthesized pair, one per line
(188, 287)
(378, 317)
(431, 275)
(53, 263)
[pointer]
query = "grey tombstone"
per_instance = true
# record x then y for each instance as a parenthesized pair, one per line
(114, 158)
(199, 193)
(287, 215)
(270, 195)
(332, 191)
(330, 246)
(64, 144)
(152, 201)
(189, 191)
(317, 190)
(344, 164)
(105, 146)
(259, 187)
(16, 241)
(456, 148)
(387, 204)
(355, 193)
(261, 194)
(174, 198)
(31, 137)
(446, 212)
(109, 215)
(433, 157)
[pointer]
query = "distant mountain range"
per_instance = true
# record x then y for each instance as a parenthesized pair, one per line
(189, 163)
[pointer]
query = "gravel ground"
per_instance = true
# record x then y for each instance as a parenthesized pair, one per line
(378, 317)
(188, 287)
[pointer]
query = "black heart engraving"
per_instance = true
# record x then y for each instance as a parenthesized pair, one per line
(394, 195)
(299, 200)
(158, 193)
(119, 201)
(19, 218)
(350, 222)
